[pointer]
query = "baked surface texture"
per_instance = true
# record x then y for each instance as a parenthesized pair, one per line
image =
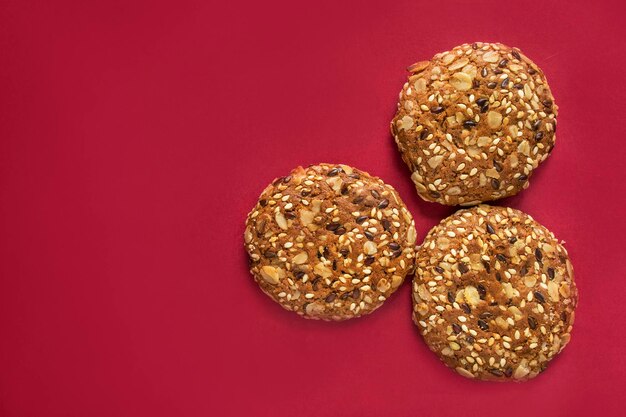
(330, 242)
(474, 123)
(494, 294)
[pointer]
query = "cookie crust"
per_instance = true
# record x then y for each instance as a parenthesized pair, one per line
(474, 123)
(330, 242)
(494, 294)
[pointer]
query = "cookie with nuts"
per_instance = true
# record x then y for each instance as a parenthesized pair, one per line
(474, 123)
(494, 294)
(330, 242)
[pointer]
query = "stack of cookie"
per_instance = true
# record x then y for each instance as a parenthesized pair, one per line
(493, 291)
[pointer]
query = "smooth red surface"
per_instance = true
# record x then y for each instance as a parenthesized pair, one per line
(134, 139)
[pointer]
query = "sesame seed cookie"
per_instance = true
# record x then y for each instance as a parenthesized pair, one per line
(474, 123)
(494, 294)
(330, 242)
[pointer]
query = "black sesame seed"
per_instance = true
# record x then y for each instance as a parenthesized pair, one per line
(466, 308)
(518, 86)
(491, 85)
(332, 226)
(505, 83)
(475, 83)
(383, 203)
(495, 183)
(497, 166)
(498, 276)
(547, 103)
(484, 72)
(538, 136)
(482, 291)
(375, 193)
(539, 296)
(532, 323)
(358, 200)
(355, 176)
(394, 246)
(532, 71)
(333, 172)
(436, 110)
(536, 124)
(474, 45)
(434, 194)
(523, 271)
(508, 372)
(450, 297)
(424, 133)
(299, 274)
(290, 215)
(463, 268)
(369, 260)
(456, 328)
(469, 123)
(512, 240)
(522, 177)
(516, 55)
(503, 63)
(482, 101)
(483, 325)
(369, 235)
(487, 266)
(396, 254)
(439, 269)
(501, 257)
(551, 273)
(330, 297)
(497, 71)
(263, 202)
(470, 339)
(386, 225)
(485, 316)
(269, 254)
(361, 219)
(538, 254)
(340, 231)
(356, 293)
(344, 252)
(315, 283)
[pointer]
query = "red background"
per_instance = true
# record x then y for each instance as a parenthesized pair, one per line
(134, 138)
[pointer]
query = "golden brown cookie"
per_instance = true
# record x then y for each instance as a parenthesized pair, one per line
(330, 242)
(494, 294)
(474, 123)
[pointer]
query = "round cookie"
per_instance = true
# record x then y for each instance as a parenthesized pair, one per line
(494, 294)
(330, 242)
(474, 123)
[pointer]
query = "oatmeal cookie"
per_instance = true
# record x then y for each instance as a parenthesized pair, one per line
(474, 123)
(330, 242)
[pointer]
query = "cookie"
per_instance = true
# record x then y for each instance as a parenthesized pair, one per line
(494, 294)
(330, 242)
(474, 123)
